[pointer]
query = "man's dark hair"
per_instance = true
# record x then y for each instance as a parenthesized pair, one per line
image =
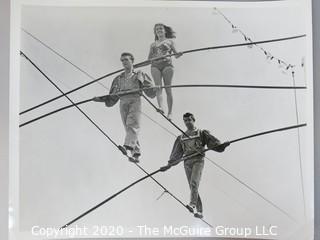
(128, 54)
(187, 115)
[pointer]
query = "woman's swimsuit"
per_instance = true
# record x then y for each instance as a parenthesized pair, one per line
(159, 49)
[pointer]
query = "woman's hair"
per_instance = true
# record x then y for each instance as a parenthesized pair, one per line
(169, 33)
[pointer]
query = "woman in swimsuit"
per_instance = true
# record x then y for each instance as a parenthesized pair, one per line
(163, 68)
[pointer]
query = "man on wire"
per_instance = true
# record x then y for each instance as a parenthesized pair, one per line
(192, 144)
(130, 103)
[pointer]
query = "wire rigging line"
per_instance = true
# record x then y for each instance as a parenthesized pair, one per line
(268, 132)
(109, 198)
(161, 195)
(233, 86)
(129, 186)
(160, 125)
(55, 111)
(266, 53)
(299, 144)
(225, 170)
(112, 141)
(180, 160)
(172, 86)
(144, 63)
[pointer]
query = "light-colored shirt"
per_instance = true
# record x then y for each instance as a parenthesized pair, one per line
(136, 81)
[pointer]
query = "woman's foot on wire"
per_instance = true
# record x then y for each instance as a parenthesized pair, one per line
(169, 116)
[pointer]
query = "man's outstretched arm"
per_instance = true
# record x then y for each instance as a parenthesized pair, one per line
(112, 98)
(175, 156)
(213, 143)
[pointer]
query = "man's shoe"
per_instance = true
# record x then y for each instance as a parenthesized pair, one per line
(135, 158)
(127, 152)
(123, 150)
(191, 208)
(198, 215)
(128, 147)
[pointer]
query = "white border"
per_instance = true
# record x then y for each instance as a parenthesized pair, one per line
(151, 3)
(4, 115)
(14, 98)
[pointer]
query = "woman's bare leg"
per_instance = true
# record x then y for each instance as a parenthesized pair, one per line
(157, 78)
(167, 78)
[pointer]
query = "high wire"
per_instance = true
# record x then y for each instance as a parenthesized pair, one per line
(144, 63)
(299, 144)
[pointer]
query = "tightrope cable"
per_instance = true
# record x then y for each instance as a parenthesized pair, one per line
(172, 86)
(109, 198)
(55, 111)
(299, 144)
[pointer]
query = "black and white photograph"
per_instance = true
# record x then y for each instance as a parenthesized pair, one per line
(165, 119)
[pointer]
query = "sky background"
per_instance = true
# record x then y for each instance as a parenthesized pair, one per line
(67, 166)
